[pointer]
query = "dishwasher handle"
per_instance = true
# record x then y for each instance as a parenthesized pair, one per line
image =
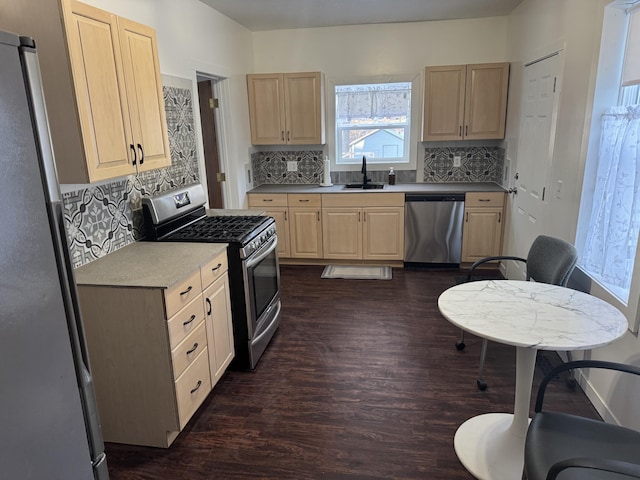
(434, 197)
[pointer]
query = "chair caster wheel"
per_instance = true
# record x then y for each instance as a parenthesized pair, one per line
(482, 385)
(460, 345)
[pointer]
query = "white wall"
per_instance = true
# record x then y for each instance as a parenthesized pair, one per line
(193, 37)
(385, 49)
(536, 28)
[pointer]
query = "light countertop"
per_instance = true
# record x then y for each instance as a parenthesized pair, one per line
(398, 188)
(148, 264)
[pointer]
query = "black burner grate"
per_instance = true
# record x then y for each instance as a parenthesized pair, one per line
(236, 229)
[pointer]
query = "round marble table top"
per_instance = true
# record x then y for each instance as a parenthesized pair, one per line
(530, 314)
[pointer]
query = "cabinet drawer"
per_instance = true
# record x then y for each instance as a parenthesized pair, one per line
(188, 350)
(185, 321)
(304, 200)
(213, 270)
(267, 199)
(487, 199)
(182, 293)
(192, 387)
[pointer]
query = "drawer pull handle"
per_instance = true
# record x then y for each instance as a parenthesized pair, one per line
(267, 199)
(484, 199)
(186, 291)
(197, 386)
(195, 347)
(133, 149)
(193, 317)
(216, 267)
(303, 201)
(209, 305)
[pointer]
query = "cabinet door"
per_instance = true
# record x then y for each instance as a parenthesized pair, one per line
(94, 50)
(482, 233)
(303, 94)
(342, 233)
(486, 100)
(144, 94)
(444, 91)
(266, 109)
(281, 216)
(219, 328)
(383, 233)
(305, 229)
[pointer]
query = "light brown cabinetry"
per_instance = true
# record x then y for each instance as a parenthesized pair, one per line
(465, 102)
(363, 226)
(101, 79)
(483, 225)
(286, 108)
(298, 222)
(155, 352)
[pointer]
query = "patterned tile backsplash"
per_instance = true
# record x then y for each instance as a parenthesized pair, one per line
(103, 218)
(478, 164)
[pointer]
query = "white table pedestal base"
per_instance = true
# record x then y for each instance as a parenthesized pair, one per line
(489, 449)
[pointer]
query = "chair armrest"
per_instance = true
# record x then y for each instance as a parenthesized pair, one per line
(620, 367)
(603, 464)
(491, 259)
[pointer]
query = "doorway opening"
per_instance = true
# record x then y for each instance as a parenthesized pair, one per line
(208, 104)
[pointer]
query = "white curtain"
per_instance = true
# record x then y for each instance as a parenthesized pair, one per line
(615, 214)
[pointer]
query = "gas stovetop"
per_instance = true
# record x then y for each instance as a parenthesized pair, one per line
(222, 229)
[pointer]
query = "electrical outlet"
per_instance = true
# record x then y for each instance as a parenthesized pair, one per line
(292, 166)
(457, 161)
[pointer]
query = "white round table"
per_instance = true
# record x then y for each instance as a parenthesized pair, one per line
(531, 316)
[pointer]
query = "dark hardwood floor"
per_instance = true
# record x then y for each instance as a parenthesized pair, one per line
(362, 381)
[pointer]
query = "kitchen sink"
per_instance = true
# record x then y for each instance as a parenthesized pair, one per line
(367, 186)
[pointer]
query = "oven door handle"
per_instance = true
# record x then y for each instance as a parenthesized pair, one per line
(263, 252)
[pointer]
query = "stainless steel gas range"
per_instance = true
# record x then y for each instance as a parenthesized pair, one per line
(254, 272)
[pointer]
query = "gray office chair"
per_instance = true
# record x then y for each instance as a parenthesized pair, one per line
(570, 447)
(550, 260)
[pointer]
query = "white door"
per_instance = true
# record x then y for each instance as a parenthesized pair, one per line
(540, 95)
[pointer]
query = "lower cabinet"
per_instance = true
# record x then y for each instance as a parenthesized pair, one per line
(298, 222)
(352, 231)
(483, 225)
(156, 352)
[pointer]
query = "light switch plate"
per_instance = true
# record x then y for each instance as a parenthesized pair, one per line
(457, 161)
(292, 166)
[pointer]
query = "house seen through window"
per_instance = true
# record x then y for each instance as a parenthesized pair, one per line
(373, 120)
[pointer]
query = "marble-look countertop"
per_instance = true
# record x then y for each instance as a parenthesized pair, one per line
(398, 188)
(533, 315)
(148, 264)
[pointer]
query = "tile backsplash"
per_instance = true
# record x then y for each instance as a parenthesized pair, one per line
(103, 218)
(478, 164)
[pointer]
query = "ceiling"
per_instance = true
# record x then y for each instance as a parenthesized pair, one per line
(259, 15)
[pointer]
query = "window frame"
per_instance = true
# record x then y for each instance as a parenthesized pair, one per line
(415, 122)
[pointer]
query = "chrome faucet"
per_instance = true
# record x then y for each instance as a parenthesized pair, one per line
(364, 172)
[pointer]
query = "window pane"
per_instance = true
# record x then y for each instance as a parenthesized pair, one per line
(373, 120)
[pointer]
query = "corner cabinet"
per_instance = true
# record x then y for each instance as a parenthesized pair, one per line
(363, 226)
(483, 225)
(286, 108)
(157, 320)
(465, 102)
(101, 79)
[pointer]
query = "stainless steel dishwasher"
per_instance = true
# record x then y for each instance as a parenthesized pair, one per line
(433, 229)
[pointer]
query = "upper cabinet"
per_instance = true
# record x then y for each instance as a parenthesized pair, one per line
(465, 102)
(286, 108)
(102, 85)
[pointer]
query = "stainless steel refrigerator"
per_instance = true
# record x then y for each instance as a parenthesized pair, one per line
(49, 427)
